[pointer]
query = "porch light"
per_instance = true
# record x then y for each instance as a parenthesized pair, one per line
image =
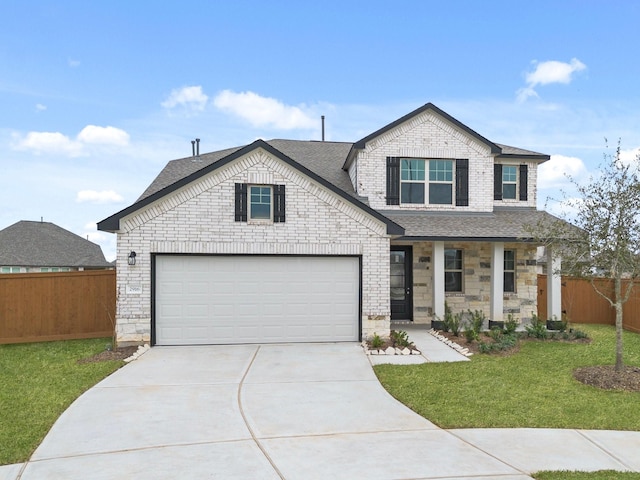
(132, 258)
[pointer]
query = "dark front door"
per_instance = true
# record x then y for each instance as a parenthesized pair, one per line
(401, 283)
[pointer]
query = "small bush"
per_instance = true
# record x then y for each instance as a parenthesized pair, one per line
(448, 318)
(454, 324)
(400, 339)
(505, 342)
(537, 328)
(496, 334)
(580, 334)
(376, 341)
(510, 325)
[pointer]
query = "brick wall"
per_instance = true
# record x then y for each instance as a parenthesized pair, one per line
(200, 219)
(429, 136)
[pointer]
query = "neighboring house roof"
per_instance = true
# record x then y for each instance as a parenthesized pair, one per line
(513, 224)
(44, 244)
(318, 159)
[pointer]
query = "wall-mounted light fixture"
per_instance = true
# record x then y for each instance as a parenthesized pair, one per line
(132, 258)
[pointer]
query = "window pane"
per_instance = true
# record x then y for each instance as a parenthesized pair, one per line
(509, 173)
(412, 193)
(509, 260)
(508, 190)
(509, 281)
(441, 170)
(411, 169)
(453, 281)
(440, 193)
(452, 259)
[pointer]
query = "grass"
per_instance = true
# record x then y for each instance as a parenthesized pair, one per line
(601, 475)
(38, 381)
(532, 388)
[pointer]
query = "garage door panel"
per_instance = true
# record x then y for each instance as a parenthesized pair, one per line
(256, 299)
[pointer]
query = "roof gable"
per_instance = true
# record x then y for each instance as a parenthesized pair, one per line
(361, 144)
(112, 223)
(44, 244)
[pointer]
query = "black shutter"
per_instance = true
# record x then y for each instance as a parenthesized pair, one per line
(462, 182)
(278, 204)
(241, 202)
(393, 181)
(524, 180)
(497, 181)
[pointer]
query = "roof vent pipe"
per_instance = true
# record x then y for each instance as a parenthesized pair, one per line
(322, 117)
(197, 147)
(193, 148)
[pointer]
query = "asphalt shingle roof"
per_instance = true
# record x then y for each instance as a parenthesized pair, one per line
(44, 244)
(507, 225)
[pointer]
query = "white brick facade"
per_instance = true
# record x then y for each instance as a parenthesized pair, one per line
(199, 219)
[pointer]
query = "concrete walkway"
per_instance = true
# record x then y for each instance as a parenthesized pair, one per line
(286, 412)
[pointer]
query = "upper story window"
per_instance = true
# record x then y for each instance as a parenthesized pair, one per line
(11, 270)
(259, 202)
(414, 186)
(510, 182)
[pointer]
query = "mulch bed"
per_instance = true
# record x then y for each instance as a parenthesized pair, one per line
(605, 377)
(107, 355)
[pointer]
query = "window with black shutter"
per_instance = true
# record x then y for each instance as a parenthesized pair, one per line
(524, 180)
(393, 181)
(462, 182)
(497, 181)
(241, 202)
(278, 204)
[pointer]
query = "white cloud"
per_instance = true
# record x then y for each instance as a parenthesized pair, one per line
(264, 111)
(192, 98)
(103, 135)
(553, 173)
(49, 142)
(58, 143)
(73, 63)
(94, 196)
(630, 156)
(40, 107)
(551, 71)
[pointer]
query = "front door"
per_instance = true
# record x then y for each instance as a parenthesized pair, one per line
(401, 283)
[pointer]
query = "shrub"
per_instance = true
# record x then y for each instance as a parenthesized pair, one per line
(400, 339)
(454, 323)
(510, 325)
(537, 328)
(376, 341)
(505, 342)
(474, 326)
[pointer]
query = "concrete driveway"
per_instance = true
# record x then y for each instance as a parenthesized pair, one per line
(280, 411)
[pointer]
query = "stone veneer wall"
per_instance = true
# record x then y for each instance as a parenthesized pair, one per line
(477, 281)
(199, 219)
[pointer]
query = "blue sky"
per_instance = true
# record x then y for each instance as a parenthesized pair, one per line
(96, 97)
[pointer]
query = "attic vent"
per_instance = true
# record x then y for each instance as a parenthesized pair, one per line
(322, 117)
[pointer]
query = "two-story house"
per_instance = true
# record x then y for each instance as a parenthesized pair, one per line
(309, 241)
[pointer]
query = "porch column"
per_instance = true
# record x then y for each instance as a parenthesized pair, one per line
(438, 279)
(497, 282)
(554, 285)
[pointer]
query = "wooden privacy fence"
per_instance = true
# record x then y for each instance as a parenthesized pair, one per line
(38, 307)
(582, 304)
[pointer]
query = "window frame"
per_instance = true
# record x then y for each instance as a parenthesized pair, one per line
(511, 182)
(455, 271)
(428, 171)
(509, 271)
(250, 203)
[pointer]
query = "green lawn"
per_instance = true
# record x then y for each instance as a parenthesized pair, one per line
(601, 475)
(38, 381)
(533, 388)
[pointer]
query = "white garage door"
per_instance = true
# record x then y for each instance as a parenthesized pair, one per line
(255, 299)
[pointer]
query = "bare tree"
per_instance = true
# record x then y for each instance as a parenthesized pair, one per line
(607, 240)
